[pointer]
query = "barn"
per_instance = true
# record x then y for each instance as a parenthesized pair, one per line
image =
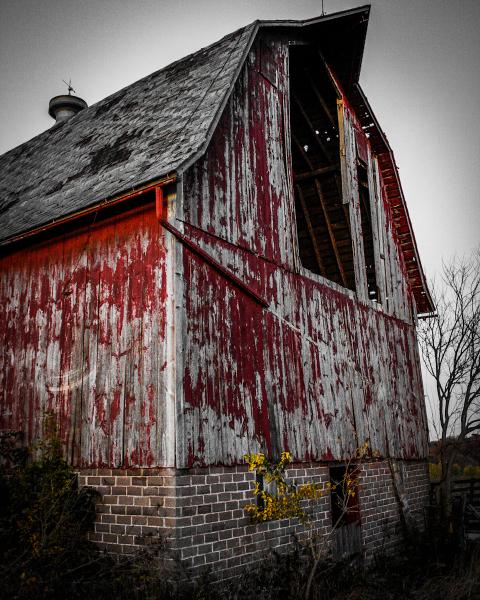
(218, 260)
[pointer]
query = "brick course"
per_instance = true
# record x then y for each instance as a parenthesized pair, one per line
(200, 511)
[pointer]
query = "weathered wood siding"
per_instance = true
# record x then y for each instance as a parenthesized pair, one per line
(150, 356)
(395, 296)
(238, 191)
(83, 320)
(318, 372)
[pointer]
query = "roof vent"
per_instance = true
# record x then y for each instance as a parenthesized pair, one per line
(63, 107)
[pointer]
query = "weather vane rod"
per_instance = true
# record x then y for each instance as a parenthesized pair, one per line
(69, 86)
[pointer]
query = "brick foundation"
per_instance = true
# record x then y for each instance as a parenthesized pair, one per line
(200, 511)
(213, 529)
(380, 506)
(137, 504)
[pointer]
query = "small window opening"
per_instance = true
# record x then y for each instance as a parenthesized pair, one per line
(323, 224)
(344, 496)
(264, 486)
(367, 231)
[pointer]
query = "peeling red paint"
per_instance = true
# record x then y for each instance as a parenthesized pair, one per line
(315, 369)
(268, 359)
(77, 313)
(328, 456)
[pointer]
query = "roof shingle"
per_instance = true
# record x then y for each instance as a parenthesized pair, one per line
(140, 133)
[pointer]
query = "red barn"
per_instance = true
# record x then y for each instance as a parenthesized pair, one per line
(215, 260)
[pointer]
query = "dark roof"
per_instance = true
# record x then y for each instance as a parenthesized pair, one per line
(137, 134)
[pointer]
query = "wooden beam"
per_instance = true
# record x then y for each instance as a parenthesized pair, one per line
(207, 258)
(346, 212)
(320, 98)
(311, 233)
(318, 188)
(317, 172)
(306, 118)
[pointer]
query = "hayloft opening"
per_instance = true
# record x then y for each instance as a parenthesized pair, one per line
(367, 230)
(323, 225)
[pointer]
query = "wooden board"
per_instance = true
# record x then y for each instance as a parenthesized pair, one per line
(83, 325)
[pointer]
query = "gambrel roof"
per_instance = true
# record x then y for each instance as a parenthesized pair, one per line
(157, 126)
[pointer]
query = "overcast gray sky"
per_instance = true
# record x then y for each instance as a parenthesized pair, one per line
(421, 73)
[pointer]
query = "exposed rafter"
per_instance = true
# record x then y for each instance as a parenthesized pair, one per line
(311, 232)
(317, 172)
(318, 189)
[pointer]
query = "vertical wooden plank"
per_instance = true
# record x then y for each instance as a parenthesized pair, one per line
(75, 259)
(137, 449)
(91, 443)
(169, 297)
(373, 206)
(38, 298)
(378, 222)
(384, 215)
(53, 278)
(351, 195)
(119, 350)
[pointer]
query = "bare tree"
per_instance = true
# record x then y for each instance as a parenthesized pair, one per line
(450, 344)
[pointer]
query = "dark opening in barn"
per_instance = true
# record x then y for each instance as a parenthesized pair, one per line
(323, 224)
(345, 509)
(367, 230)
(344, 495)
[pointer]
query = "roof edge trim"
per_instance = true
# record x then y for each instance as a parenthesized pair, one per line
(404, 204)
(315, 20)
(117, 199)
(211, 130)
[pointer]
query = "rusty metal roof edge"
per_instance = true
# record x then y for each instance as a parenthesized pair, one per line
(314, 20)
(402, 197)
(116, 198)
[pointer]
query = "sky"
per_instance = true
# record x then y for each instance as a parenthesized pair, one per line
(420, 72)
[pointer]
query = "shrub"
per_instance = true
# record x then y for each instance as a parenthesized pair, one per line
(44, 548)
(44, 520)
